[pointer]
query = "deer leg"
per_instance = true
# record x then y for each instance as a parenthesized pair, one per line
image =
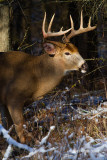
(16, 113)
(5, 117)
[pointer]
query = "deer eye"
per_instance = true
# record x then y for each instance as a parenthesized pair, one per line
(67, 53)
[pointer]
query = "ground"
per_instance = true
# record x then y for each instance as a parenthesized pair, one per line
(79, 132)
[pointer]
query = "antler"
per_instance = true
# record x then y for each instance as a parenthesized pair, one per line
(49, 33)
(80, 30)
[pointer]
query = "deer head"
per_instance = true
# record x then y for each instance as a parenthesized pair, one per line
(66, 52)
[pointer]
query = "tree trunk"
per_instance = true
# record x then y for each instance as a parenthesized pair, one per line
(4, 28)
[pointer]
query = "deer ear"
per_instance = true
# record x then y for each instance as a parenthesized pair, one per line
(49, 48)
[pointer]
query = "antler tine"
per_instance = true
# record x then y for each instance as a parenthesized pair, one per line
(72, 23)
(66, 38)
(49, 33)
(81, 21)
(80, 30)
(61, 29)
(89, 23)
(50, 24)
(43, 26)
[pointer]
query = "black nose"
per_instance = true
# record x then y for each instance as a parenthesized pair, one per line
(84, 66)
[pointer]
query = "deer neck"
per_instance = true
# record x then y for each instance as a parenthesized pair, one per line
(48, 73)
(49, 67)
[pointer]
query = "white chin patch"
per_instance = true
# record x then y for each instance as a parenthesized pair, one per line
(83, 71)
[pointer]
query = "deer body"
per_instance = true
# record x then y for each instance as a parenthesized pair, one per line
(25, 77)
(36, 74)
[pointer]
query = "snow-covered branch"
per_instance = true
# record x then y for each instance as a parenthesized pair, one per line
(32, 151)
(11, 141)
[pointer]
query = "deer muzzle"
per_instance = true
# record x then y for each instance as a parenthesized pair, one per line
(84, 68)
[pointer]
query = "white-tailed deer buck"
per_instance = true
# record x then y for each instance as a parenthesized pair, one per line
(24, 76)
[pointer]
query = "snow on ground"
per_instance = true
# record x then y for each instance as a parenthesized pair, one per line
(92, 150)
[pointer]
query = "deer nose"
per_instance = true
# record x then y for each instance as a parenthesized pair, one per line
(84, 67)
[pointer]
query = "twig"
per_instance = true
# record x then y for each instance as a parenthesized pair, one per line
(22, 11)
(96, 59)
(28, 45)
(23, 38)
